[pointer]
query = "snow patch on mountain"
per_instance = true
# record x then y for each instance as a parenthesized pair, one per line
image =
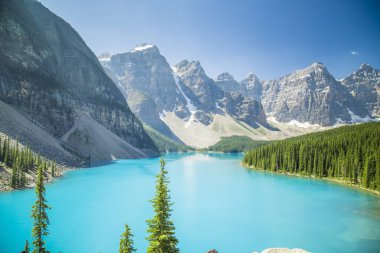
(142, 47)
(357, 119)
(295, 123)
(189, 105)
(105, 57)
(302, 124)
(162, 116)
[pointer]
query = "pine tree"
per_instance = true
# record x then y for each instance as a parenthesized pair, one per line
(126, 242)
(14, 176)
(23, 179)
(41, 219)
(26, 249)
(160, 228)
(16, 180)
(53, 170)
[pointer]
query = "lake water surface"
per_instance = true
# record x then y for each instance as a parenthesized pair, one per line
(218, 204)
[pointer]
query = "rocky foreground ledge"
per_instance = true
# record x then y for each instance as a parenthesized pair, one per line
(282, 250)
(273, 250)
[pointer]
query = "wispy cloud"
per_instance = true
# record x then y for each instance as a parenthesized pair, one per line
(354, 53)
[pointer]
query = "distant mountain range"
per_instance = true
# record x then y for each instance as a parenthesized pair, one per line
(55, 96)
(182, 102)
(176, 100)
(57, 99)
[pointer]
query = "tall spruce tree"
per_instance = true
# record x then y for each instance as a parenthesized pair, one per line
(126, 242)
(26, 249)
(161, 228)
(41, 219)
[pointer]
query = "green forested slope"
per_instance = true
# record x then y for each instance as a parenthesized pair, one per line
(235, 144)
(163, 143)
(18, 165)
(348, 153)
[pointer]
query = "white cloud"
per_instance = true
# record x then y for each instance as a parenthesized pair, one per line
(354, 53)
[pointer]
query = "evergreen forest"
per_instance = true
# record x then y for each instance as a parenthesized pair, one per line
(348, 153)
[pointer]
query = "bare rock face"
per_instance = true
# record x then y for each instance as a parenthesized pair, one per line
(52, 78)
(147, 83)
(228, 83)
(283, 250)
(310, 95)
(249, 87)
(223, 94)
(313, 95)
(199, 88)
(364, 86)
(244, 109)
(152, 88)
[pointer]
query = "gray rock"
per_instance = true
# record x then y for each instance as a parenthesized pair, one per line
(284, 250)
(364, 85)
(249, 87)
(200, 88)
(228, 83)
(223, 94)
(245, 109)
(52, 78)
(310, 95)
(152, 88)
(146, 80)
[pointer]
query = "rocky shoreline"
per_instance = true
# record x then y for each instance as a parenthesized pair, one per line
(283, 250)
(273, 250)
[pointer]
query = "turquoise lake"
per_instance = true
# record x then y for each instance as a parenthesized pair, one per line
(217, 204)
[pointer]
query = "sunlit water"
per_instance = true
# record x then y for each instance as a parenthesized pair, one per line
(218, 204)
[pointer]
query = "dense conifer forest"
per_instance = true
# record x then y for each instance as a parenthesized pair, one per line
(348, 153)
(235, 144)
(23, 163)
(163, 143)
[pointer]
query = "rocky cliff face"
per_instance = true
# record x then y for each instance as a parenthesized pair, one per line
(211, 96)
(50, 76)
(311, 95)
(202, 91)
(152, 89)
(147, 82)
(228, 83)
(249, 87)
(364, 86)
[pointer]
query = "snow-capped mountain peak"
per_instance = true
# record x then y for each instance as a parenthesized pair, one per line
(106, 56)
(366, 66)
(225, 76)
(143, 47)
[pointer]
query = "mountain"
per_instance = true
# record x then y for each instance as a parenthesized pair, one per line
(251, 86)
(228, 83)
(205, 96)
(147, 83)
(311, 95)
(208, 98)
(172, 100)
(364, 85)
(248, 87)
(55, 96)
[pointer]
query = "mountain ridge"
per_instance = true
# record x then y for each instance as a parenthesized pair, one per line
(153, 89)
(54, 81)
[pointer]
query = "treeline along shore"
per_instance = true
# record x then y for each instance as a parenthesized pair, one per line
(350, 154)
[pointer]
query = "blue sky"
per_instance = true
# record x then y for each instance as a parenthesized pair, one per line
(271, 37)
